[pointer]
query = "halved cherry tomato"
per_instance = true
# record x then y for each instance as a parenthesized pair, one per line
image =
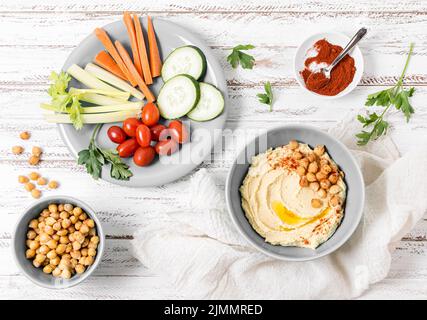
(116, 134)
(150, 114)
(166, 147)
(130, 125)
(127, 148)
(143, 135)
(178, 131)
(156, 130)
(144, 156)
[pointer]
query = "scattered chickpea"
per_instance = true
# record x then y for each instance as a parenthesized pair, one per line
(335, 201)
(41, 181)
(36, 193)
(33, 160)
(29, 186)
(322, 193)
(36, 151)
(25, 135)
(316, 203)
(53, 184)
(23, 179)
(33, 176)
(17, 150)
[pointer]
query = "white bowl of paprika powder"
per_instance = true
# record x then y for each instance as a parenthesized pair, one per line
(318, 51)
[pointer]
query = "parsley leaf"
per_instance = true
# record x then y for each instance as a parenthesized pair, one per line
(267, 97)
(395, 96)
(93, 158)
(237, 57)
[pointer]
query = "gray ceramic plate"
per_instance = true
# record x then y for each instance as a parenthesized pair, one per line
(279, 137)
(203, 134)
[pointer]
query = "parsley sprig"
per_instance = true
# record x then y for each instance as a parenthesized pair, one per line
(267, 97)
(94, 158)
(395, 96)
(237, 57)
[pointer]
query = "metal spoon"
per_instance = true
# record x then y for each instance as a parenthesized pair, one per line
(357, 37)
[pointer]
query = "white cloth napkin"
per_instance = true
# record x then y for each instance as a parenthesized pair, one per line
(203, 255)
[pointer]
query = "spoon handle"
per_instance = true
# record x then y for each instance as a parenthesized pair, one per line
(357, 37)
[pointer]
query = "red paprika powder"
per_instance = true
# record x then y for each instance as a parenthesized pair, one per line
(341, 75)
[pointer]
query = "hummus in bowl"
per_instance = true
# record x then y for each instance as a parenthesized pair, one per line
(293, 195)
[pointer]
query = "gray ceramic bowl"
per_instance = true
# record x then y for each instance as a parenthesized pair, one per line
(18, 245)
(278, 137)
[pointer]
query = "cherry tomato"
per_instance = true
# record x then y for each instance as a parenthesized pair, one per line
(166, 147)
(127, 148)
(116, 134)
(143, 135)
(156, 130)
(150, 114)
(144, 156)
(130, 125)
(178, 131)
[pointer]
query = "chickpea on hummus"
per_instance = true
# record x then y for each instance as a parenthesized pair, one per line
(294, 195)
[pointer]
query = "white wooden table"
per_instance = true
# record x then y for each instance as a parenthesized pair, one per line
(36, 37)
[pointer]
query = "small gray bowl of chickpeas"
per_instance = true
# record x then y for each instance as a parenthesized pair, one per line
(58, 242)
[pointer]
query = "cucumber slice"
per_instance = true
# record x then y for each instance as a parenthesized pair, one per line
(178, 96)
(184, 60)
(211, 103)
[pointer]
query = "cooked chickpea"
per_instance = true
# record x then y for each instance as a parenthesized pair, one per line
(84, 229)
(311, 157)
(92, 232)
(322, 193)
(300, 171)
(66, 274)
(48, 269)
(77, 211)
(92, 245)
(303, 182)
(23, 179)
(77, 225)
(51, 254)
(31, 234)
(52, 184)
(326, 169)
(325, 184)
(94, 239)
(335, 189)
(55, 261)
(84, 252)
(49, 230)
(83, 216)
(52, 244)
(33, 160)
(64, 240)
(50, 221)
(90, 223)
(311, 177)
(64, 215)
(62, 232)
(56, 237)
(80, 268)
(30, 253)
(76, 245)
(314, 186)
(89, 260)
(319, 150)
(44, 249)
(66, 223)
(74, 219)
(304, 163)
(33, 224)
(71, 229)
(316, 203)
(68, 207)
(57, 226)
(335, 201)
(36, 193)
(44, 238)
(75, 254)
(29, 186)
(313, 167)
(60, 249)
(297, 155)
(36, 263)
(40, 258)
(33, 176)
(25, 135)
(69, 248)
(17, 150)
(91, 252)
(293, 144)
(34, 245)
(36, 151)
(333, 178)
(56, 272)
(320, 176)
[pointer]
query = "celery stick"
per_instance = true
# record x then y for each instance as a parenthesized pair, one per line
(88, 79)
(113, 108)
(110, 78)
(99, 99)
(114, 94)
(107, 117)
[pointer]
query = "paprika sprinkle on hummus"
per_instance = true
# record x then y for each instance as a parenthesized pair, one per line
(341, 75)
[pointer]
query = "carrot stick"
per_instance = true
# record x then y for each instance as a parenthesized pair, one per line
(155, 61)
(106, 41)
(104, 60)
(128, 62)
(133, 42)
(142, 50)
